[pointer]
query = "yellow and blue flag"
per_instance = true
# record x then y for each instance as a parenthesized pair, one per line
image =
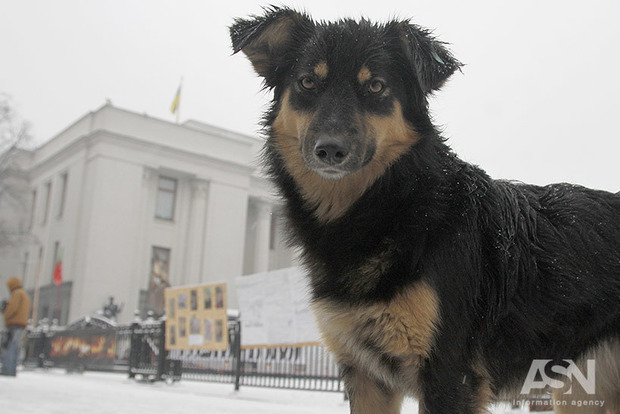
(176, 101)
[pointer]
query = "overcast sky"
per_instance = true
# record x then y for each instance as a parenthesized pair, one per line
(539, 99)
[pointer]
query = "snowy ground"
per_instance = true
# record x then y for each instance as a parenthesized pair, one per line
(55, 392)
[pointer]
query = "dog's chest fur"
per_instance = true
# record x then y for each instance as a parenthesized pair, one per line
(388, 340)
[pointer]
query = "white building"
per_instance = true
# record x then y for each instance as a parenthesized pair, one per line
(132, 204)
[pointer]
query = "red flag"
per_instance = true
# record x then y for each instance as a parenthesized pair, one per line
(57, 276)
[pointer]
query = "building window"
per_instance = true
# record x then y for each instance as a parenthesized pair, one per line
(25, 268)
(48, 196)
(40, 264)
(158, 279)
(33, 208)
(63, 194)
(166, 196)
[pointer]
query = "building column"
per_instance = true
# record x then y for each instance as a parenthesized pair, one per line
(142, 249)
(196, 232)
(263, 234)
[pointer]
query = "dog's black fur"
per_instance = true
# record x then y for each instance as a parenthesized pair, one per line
(520, 272)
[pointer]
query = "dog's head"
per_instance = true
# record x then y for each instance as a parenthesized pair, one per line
(347, 94)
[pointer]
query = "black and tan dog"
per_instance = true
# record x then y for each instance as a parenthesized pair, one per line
(429, 278)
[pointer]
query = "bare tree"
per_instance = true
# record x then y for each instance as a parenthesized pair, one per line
(15, 141)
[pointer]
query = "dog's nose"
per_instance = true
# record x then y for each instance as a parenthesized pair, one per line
(331, 150)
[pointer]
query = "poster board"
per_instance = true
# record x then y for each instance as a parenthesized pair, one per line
(275, 309)
(196, 317)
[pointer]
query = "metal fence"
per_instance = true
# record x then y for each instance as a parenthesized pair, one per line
(307, 367)
(89, 344)
(138, 349)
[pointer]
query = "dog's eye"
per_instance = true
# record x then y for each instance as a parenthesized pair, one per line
(307, 83)
(376, 86)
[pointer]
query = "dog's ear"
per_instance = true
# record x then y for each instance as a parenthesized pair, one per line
(267, 40)
(432, 61)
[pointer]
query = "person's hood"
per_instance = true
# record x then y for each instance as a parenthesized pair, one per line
(13, 283)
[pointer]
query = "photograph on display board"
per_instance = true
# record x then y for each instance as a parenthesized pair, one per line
(183, 300)
(208, 330)
(194, 325)
(207, 296)
(172, 331)
(219, 330)
(193, 299)
(182, 327)
(219, 297)
(171, 308)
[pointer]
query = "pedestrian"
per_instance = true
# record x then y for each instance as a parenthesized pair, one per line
(15, 320)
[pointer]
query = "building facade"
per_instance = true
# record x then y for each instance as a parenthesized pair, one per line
(129, 205)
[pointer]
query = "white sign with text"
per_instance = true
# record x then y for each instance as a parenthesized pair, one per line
(275, 309)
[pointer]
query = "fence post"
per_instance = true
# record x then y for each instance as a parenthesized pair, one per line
(45, 350)
(236, 349)
(161, 358)
(39, 348)
(134, 349)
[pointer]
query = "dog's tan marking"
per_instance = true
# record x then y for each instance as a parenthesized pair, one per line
(484, 395)
(364, 75)
(368, 397)
(332, 198)
(404, 327)
(289, 126)
(321, 70)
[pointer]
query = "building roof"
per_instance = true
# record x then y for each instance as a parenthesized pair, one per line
(191, 136)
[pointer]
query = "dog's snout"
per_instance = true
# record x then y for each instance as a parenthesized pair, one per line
(331, 150)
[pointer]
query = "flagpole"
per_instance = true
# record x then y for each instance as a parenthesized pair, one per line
(179, 105)
(57, 279)
(37, 282)
(57, 312)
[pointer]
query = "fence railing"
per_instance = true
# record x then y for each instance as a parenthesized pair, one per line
(138, 349)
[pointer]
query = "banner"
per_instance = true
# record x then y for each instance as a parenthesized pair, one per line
(196, 317)
(90, 347)
(275, 309)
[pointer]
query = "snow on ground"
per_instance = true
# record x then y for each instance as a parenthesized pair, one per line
(55, 392)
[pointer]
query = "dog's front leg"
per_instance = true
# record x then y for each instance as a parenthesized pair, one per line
(368, 395)
(451, 391)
